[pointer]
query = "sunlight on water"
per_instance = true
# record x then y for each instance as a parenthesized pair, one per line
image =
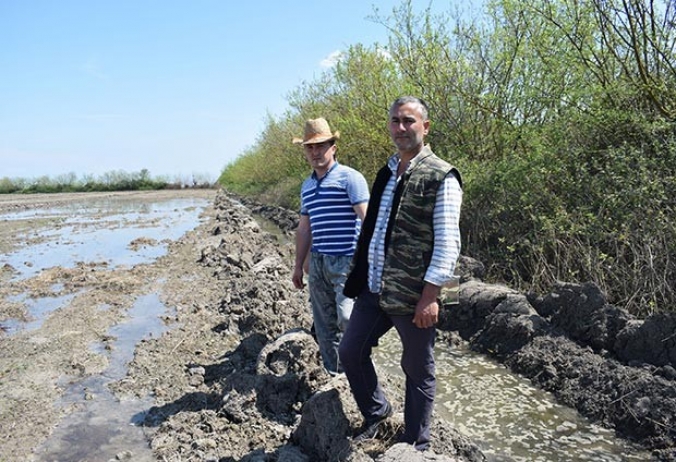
(37, 310)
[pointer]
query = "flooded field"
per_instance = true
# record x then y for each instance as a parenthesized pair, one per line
(79, 292)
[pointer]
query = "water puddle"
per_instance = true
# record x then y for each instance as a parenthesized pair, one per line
(117, 232)
(37, 310)
(509, 418)
(103, 427)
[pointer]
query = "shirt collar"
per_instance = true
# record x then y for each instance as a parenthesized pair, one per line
(393, 161)
(319, 180)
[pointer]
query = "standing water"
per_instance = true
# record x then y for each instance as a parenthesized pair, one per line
(506, 415)
(100, 230)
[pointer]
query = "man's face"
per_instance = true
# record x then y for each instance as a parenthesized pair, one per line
(320, 155)
(407, 128)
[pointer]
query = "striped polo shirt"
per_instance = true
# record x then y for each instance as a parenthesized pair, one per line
(329, 201)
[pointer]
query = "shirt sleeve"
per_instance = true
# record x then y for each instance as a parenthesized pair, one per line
(357, 188)
(303, 206)
(303, 209)
(446, 222)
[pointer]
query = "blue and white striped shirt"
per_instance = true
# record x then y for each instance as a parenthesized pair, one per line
(329, 201)
(446, 223)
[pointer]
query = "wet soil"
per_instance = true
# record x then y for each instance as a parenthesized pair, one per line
(39, 364)
(235, 375)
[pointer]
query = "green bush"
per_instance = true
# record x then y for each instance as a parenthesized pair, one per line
(565, 136)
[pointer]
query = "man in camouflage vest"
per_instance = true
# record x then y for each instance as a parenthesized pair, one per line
(407, 251)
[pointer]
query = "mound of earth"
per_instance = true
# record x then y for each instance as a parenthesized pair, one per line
(241, 378)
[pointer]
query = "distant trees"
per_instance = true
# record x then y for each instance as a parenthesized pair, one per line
(561, 115)
(116, 180)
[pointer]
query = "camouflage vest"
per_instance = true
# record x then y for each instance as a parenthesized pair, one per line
(410, 234)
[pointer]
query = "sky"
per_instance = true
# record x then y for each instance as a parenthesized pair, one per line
(175, 87)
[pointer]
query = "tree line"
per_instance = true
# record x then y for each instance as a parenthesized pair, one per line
(115, 180)
(559, 113)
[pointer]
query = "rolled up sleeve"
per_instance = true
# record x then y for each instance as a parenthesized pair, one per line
(446, 222)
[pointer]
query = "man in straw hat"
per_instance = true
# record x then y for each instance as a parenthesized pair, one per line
(407, 252)
(333, 204)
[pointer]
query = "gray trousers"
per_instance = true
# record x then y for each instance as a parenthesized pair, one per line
(330, 308)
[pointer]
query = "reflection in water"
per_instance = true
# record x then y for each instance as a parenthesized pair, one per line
(506, 415)
(37, 310)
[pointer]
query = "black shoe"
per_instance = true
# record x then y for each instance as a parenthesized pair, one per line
(369, 430)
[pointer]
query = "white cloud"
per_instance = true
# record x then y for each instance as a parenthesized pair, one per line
(382, 52)
(331, 59)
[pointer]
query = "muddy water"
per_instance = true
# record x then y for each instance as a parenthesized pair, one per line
(102, 425)
(511, 420)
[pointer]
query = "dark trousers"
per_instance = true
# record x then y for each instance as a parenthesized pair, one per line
(367, 324)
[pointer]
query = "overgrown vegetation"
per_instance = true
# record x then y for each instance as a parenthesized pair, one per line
(110, 181)
(559, 113)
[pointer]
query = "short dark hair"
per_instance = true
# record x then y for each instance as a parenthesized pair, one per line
(415, 100)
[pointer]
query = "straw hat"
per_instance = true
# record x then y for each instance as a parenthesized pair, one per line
(316, 131)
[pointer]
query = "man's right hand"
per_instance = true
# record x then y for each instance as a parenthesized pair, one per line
(297, 278)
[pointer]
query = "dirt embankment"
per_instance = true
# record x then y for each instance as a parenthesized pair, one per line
(242, 379)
